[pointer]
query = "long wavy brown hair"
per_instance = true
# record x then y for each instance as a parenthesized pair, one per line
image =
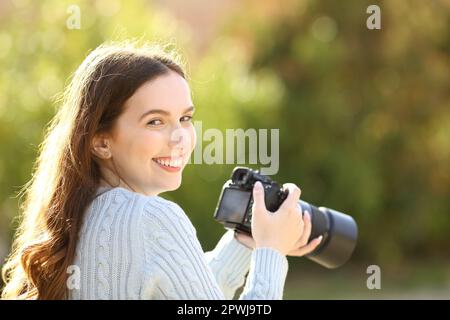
(66, 173)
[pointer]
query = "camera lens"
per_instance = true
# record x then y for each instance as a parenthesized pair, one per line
(339, 231)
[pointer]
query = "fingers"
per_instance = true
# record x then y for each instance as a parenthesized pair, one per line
(310, 247)
(303, 240)
(258, 198)
(292, 198)
(245, 239)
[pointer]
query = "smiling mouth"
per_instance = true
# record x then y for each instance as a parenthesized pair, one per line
(170, 162)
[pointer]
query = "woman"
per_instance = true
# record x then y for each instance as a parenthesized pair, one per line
(93, 224)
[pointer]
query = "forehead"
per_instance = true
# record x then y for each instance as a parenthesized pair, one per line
(169, 92)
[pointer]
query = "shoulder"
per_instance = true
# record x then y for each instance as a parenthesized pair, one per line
(165, 215)
(149, 212)
(169, 239)
(117, 202)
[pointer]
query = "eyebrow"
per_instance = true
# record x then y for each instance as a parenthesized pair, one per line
(161, 111)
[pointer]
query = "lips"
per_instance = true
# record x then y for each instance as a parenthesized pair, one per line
(170, 163)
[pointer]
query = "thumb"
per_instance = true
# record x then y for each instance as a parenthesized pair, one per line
(293, 196)
(258, 198)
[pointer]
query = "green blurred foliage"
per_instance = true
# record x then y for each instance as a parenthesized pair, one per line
(364, 115)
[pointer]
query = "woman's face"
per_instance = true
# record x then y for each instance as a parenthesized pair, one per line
(153, 138)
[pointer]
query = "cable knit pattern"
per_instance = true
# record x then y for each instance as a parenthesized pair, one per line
(133, 246)
(229, 262)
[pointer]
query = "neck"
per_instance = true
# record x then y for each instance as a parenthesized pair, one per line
(112, 180)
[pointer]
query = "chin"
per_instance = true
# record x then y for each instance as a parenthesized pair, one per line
(172, 186)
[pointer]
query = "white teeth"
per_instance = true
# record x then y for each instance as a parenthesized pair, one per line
(170, 163)
(175, 163)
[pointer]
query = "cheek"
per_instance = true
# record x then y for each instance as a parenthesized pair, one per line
(147, 144)
(193, 135)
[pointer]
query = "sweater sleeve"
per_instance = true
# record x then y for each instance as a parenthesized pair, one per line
(175, 266)
(229, 262)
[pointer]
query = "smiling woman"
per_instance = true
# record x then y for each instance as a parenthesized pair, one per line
(123, 136)
(153, 132)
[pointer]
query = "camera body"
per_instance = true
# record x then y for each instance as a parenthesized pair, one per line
(234, 211)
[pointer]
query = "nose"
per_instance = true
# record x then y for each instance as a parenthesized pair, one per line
(179, 137)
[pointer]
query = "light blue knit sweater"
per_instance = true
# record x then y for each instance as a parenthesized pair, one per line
(133, 246)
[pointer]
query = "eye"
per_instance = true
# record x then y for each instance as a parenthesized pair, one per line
(186, 118)
(154, 122)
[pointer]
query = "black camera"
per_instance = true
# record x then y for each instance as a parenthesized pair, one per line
(234, 211)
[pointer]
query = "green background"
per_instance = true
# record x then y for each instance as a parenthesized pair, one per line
(364, 116)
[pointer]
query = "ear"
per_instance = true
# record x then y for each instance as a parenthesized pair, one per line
(101, 146)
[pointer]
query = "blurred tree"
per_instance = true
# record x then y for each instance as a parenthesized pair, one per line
(364, 115)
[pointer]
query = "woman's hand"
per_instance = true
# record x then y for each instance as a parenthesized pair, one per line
(285, 230)
(300, 248)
